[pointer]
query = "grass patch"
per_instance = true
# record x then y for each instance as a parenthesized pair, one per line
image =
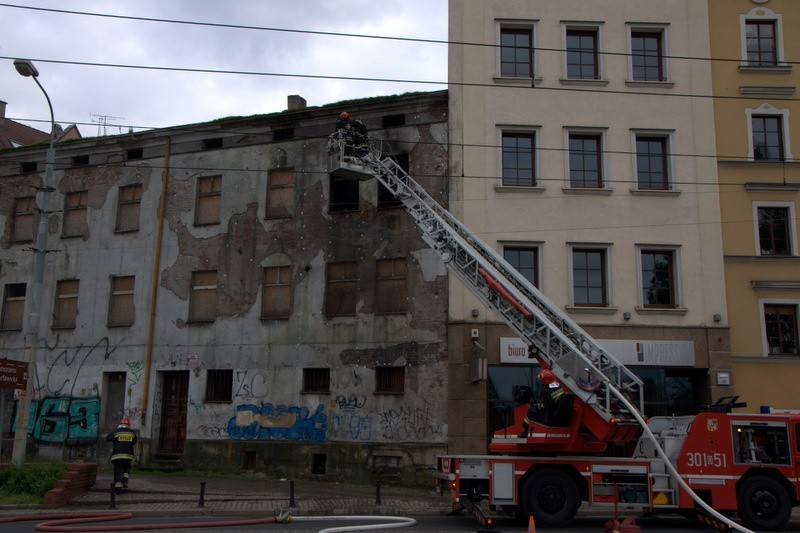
(28, 483)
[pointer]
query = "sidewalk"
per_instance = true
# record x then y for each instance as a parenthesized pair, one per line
(164, 494)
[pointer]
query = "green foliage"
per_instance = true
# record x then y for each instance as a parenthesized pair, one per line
(31, 480)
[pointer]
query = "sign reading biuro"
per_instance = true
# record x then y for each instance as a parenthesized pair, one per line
(628, 352)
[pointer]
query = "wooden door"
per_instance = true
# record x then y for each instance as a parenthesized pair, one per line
(174, 396)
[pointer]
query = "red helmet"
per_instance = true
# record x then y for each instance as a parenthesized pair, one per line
(546, 377)
(125, 421)
(345, 115)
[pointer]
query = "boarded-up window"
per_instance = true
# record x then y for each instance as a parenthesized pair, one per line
(75, 211)
(317, 380)
(121, 310)
(13, 306)
(390, 379)
(23, 227)
(203, 300)
(276, 300)
(66, 308)
(130, 198)
(280, 194)
(391, 286)
(340, 289)
(219, 385)
(209, 199)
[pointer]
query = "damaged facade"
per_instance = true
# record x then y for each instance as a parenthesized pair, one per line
(270, 317)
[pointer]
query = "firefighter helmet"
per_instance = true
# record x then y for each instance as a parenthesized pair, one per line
(125, 421)
(546, 377)
(345, 115)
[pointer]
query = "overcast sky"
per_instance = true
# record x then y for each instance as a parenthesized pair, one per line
(160, 98)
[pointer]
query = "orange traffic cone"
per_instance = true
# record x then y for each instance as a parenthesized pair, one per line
(531, 525)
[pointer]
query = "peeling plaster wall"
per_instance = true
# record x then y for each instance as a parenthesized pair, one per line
(267, 357)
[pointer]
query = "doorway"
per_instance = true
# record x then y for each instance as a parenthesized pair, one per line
(174, 396)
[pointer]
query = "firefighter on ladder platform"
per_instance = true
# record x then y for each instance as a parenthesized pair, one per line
(541, 408)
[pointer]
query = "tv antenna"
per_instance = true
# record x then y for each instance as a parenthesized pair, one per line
(102, 123)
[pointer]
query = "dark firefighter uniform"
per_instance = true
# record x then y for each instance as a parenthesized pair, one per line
(122, 453)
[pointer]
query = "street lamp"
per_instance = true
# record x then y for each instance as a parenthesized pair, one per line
(26, 68)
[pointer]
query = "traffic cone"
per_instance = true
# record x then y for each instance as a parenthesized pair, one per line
(531, 525)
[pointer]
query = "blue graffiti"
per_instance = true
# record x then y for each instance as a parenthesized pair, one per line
(267, 422)
(64, 420)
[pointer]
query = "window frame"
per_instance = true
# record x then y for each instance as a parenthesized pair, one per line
(666, 139)
(395, 282)
(503, 26)
(341, 294)
(128, 207)
(13, 306)
(206, 290)
(782, 115)
(30, 210)
(792, 230)
(65, 304)
(75, 222)
(212, 197)
(282, 283)
(760, 14)
(605, 272)
(280, 198)
(316, 380)
(510, 130)
(674, 274)
(661, 31)
(390, 379)
(121, 297)
(216, 388)
(535, 249)
(570, 29)
(586, 133)
(775, 302)
(344, 188)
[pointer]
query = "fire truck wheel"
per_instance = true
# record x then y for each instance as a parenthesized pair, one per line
(551, 497)
(764, 504)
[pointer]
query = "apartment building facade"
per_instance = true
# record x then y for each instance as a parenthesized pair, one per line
(579, 136)
(755, 44)
(242, 306)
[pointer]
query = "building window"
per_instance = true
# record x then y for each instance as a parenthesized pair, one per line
(28, 167)
(276, 297)
(518, 159)
(658, 279)
(121, 310)
(209, 199)
(589, 277)
(340, 289)
(23, 226)
(392, 121)
(80, 160)
(66, 307)
(75, 214)
(317, 380)
(387, 199)
(525, 260)
(203, 298)
(780, 323)
(582, 54)
(13, 307)
(344, 194)
(761, 43)
(134, 153)
(391, 286)
(284, 134)
(774, 230)
(219, 385)
(129, 202)
(652, 166)
(390, 379)
(585, 161)
(516, 52)
(280, 194)
(647, 55)
(212, 143)
(767, 137)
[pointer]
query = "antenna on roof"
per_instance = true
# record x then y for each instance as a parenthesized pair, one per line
(102, 123)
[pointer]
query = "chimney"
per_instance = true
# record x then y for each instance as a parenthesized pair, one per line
(296, 102)
(2, 109)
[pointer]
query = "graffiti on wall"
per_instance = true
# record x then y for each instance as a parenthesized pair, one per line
(267, 422)
(64, 420)
(416, 424)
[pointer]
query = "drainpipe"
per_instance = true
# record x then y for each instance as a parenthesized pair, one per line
(148, 358)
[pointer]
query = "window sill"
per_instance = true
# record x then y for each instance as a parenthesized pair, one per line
(76, 236)
(62, 327)
(218, 401)
(675, 311)
(575, 81)
(782, 69)
(11, 330)
(200, 322)
(201, 224)
(591, 310)
(516, 188)
(119, 325)
(324, 392)
(389, 393)
(516, 82)
(664, 84)
(655, 192)
(595, 191)
(274, 318)
(125, 230)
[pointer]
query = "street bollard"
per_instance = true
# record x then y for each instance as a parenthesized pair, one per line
(202, 502)
(113, 504)
(292, 503)
(377, 492)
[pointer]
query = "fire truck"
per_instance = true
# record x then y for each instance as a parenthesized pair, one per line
(591, 446)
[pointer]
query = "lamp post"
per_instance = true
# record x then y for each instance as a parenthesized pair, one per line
(26, 68)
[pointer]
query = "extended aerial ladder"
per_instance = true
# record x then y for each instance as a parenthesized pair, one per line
(583, 366)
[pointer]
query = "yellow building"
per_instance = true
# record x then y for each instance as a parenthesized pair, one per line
(755, 44)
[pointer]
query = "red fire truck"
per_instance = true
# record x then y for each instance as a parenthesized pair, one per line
(590, 445)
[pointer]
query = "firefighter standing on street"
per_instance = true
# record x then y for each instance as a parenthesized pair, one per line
(122, 454)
